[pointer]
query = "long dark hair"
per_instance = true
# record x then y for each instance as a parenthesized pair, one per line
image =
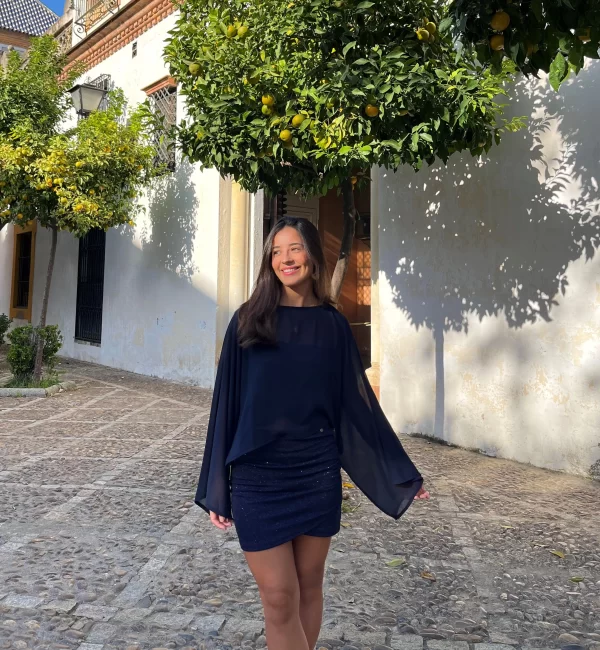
(257, 316)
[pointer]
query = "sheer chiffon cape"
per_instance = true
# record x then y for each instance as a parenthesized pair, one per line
(253, 403)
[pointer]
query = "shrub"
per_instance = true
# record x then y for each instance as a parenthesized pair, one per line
(5, 322)
(21, 355)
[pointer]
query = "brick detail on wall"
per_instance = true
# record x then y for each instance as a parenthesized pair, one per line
(134, 19)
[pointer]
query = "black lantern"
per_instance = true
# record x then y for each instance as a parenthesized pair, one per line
(86, 98)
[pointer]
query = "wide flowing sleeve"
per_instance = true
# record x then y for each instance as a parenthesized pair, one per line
(213, 491)
(371, 452)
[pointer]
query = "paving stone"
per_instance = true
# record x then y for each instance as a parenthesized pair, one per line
(96, 612)
(406, 642)
(102, 632)
(91, 646)
(245, 626)
(64, 606)
(494, 646)
(167, 619)
(18, 600)
(212, 623)
(447, 645)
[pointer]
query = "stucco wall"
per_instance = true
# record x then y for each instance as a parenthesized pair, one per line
(6, 257)
(490, 289)
(159, 314)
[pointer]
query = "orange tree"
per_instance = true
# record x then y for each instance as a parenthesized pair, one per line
(554, 36)
(86, 177)
(307, 95)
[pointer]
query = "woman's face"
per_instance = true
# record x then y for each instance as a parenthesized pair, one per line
(290, 259)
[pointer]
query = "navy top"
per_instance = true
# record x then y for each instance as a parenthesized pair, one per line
(312, 378)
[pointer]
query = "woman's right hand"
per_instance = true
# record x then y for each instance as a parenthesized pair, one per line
(222, 523)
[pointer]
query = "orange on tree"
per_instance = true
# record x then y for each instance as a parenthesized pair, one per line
(497, 42)
(285, 135)
(431, 27)
(242, 31)
(266, 110)
(371, 110)
(268, 100)
(298, 119)
(194, 69)
(231, 31)
(423, 34)
(500, 21)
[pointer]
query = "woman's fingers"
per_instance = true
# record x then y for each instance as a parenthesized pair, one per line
(422, 494)
(222, 523)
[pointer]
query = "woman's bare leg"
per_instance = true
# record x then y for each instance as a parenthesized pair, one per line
(310, 554)
(275, 573)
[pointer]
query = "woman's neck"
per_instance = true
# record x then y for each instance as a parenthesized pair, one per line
(298, 298)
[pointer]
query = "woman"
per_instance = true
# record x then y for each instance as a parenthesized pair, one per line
(291, 407)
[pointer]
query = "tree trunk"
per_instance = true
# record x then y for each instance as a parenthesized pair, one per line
(350, 217)
(37, 370)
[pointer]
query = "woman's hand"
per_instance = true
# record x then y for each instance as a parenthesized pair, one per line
(222, 523)
(422, 494)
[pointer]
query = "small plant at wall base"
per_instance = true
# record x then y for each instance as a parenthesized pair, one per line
(83, 178)
(306, 96)
(5, 322)
(22, 354)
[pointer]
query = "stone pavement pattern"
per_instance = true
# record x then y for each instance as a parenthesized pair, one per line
(101, 547)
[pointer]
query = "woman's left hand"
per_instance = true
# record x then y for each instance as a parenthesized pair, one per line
(422, 494)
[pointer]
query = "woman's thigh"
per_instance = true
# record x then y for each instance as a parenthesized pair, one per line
(310, 554)
(275, 573)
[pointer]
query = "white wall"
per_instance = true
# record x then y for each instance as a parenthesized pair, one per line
(489, 287)
(159, 312)
(6, 263)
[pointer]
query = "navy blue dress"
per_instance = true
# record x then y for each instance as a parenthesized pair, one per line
(284, 419)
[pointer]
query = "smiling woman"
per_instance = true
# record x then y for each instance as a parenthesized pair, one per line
(291, 407)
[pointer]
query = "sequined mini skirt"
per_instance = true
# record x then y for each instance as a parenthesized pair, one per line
(290, 487)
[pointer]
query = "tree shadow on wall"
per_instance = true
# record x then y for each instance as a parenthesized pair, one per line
(167, 235)
(524, 214)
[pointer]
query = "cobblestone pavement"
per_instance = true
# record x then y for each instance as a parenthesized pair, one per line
(101, 547)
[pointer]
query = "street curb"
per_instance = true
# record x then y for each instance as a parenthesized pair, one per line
(38, 392)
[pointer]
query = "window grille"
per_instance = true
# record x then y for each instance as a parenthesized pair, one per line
(164, 103)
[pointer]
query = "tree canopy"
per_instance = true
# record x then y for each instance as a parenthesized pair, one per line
(300, 95)
(553, 36)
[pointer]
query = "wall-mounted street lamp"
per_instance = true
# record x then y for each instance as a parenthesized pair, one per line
(86, 98)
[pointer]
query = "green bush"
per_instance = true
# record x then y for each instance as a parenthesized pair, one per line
(21, 355)
(5, 322)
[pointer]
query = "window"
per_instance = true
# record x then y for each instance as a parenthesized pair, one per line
(163, 100)
(90, 287)
(23, 260)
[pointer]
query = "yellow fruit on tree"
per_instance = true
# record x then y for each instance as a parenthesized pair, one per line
(497, 42)
(194, 69)
(49, 183)
(268, 100)
(297, 120)
(79, 164)
(423, 34)
(371, 111)
(266, 110)
(431, 27)
(500, 21)
(285, 135)
(20, 215)
(231, 31)
(64, 200)
(584, 35)
(242, 31)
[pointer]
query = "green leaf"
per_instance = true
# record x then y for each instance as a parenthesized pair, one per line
(348, 47)
(426, 137)
(344, 150)
(558, 71)
(365, 5)
(361, 61)
(399, 561)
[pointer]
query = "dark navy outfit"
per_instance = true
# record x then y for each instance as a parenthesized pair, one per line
(285, 418)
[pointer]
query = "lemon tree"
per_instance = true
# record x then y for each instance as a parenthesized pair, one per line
(554, 36)
(307, 95)
(83, 178)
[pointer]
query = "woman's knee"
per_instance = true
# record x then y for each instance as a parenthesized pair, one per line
(311, 581)
(280, 603)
